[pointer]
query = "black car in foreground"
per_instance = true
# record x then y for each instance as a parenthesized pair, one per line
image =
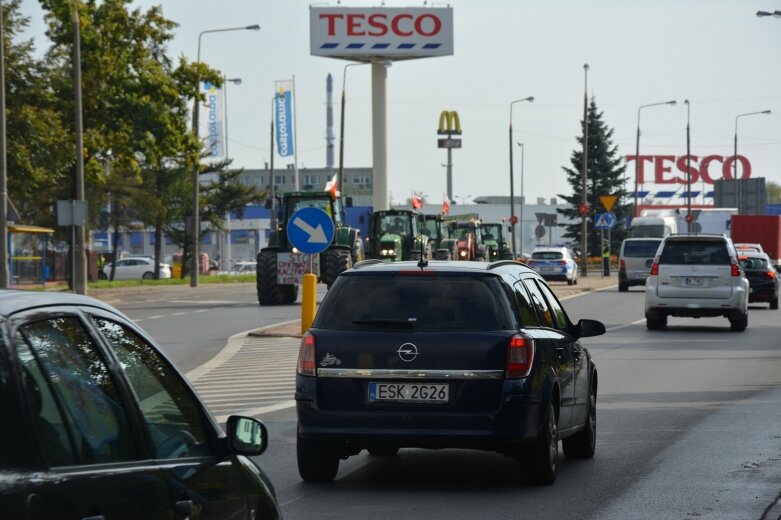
(468, 355)
(762, 278)
(97, 423)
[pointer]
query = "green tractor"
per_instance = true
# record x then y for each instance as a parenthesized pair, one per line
(275, 284)
(434, 227)
(495, 246)
(394, 235)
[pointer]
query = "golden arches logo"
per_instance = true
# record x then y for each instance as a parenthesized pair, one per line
(449, 123)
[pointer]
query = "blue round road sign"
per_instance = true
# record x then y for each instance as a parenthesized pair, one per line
(310, 230)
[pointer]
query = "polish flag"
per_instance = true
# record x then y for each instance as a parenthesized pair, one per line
(417, 202)
(445, 204)
(331, 186)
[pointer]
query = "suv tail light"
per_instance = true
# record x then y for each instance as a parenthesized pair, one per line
(520, 356)
(735, 269)
(622, 266)
(655, 267)
(306, 356)
(771, 274)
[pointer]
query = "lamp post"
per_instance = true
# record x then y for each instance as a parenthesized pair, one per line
(463, 198)
(4, 274)
(735, 156)
(512, 179)
(196, 224)
(520, 219)
(225, 81)
(227, 253)
(584, 180)
(340, 176)
(761, 14)
(637, 145)
(688, 170)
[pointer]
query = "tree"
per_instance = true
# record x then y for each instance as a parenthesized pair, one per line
(773, 192)
(605, 176)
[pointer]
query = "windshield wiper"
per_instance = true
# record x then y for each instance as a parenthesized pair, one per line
(392, 324)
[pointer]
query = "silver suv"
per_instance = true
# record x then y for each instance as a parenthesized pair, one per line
(696, 276)
(635, 261)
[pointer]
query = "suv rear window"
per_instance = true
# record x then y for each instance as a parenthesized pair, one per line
(695, 252)
(547, 255)
(423, 303)
(640, 248)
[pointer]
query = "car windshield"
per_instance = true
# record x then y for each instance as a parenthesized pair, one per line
(641, 248)
(695, 252)
(547, 255)
(422, 303)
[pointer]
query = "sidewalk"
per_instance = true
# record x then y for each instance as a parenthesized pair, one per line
(592, 282)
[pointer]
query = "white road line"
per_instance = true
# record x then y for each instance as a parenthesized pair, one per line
(156, 317)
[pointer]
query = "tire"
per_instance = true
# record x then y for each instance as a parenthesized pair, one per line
(622, 287)
(269, 292)
(479, 259)
(149, 276)
(583, 444)
(739, 323)
(542, 458)
(774, 303)
(315, 462)
(333, 263)
(570, 281)
(289, 293)
(656, 323)
(383, 451)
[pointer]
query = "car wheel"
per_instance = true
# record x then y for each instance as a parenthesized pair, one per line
(774, 303)
(149, 276)
(656, 323)
(570, 281)
(542, 458)
(583, 444)
(316, 463)
(739, 323)
(383, 451)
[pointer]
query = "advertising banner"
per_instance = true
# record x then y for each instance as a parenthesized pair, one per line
(215, 120)
(283, 110)
(363, 33)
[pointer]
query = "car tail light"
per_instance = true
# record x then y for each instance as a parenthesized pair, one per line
(622, 266)
(306, 355)
(562, 262)
(520, 356)
(735, 269)
(655, 267)
(771, 274)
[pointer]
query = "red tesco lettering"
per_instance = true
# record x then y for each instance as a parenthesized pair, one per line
(401, 25)
(698, 169)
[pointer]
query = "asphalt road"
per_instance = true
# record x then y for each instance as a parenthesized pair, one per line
(689, 426)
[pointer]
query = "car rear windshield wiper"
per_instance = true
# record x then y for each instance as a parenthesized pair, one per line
(393, 324)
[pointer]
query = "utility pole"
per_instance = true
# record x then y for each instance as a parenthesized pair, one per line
(4, 274)
(584, 178)
(79, 254)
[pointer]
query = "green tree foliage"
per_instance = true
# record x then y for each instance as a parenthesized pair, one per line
(605, 176)
(773, 190)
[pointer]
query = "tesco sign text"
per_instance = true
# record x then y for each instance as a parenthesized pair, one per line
(402, 24)
(669, 169)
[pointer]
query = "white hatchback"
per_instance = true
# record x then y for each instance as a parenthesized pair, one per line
(135, 268)
(696, 276)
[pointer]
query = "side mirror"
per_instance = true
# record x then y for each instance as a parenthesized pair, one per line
(589, 328)
(348, 202)
(246, 436)
(269, 204)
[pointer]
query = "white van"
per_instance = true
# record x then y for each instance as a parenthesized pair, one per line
(635, 260)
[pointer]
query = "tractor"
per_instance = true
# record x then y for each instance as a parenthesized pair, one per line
(344, 251)
(394, 235)
(465, 240)
(495, 246)
(434, 227)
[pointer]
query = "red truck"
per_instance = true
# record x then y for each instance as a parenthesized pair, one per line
(759, 229)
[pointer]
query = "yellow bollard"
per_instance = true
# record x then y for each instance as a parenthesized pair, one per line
(308, 301)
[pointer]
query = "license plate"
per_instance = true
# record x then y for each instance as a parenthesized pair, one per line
(694, 282)
(546, 269)
(641, 274)
(409, 392)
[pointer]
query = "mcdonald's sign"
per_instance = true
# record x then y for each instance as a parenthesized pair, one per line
(449, 123)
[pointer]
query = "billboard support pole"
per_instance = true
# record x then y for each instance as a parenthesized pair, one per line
(380, 135)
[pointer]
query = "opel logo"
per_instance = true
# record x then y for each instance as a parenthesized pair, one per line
(408, 352)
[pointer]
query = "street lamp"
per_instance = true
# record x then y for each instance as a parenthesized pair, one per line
(688, 170)
(583, 210)
(776, 14)
(463, 198)
(522, 201)
(735, 155)
(512, 180)
(340, 176)
(637, 146)
(225, 81)
(227, 253)
(196, 224)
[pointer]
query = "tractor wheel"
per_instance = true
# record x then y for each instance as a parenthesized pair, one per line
(333, 263)
(269, 292)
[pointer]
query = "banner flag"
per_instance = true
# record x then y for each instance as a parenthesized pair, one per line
(283, 109)
(215, 121)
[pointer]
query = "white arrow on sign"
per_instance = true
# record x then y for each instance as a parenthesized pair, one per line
(316, 235)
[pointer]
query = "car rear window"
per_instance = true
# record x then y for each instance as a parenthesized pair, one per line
(641, 248)
(422, 303)
(695, 252)
(547, 255)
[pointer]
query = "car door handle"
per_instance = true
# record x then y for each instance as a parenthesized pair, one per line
(184, 507)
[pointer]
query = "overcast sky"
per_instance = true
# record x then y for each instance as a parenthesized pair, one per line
(716, 53)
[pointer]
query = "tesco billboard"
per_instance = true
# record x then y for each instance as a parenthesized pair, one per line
(364, 33)
(669, 169)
